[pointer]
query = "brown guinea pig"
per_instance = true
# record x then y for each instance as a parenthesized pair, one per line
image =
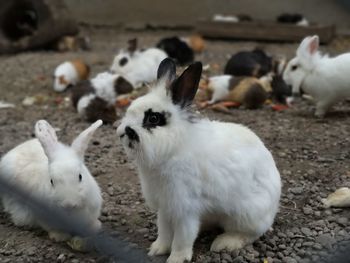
(70, 73)
(248, 91)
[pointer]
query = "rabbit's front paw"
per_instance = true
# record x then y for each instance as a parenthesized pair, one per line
(158, 248)
(180, 256)
(322, 108)
(228, 242)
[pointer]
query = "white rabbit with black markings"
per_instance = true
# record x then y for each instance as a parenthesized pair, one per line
(53, 172)
(326, 79)
(95, 99)
(195, 170)
(138, 66)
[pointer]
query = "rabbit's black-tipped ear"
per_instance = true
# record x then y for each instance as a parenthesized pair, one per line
(185, 87)
(167, 69)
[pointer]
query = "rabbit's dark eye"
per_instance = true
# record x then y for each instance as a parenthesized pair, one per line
(123, 61)
(294, 67)
(80, 177)
(154, 119)
(51, 181)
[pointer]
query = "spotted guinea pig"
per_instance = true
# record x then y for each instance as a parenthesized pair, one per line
(247, 91)
(95, 99)
(70, 73)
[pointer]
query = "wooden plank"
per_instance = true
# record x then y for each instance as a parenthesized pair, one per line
(263, 30)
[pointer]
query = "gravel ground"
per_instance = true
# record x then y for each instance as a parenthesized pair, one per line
(311, 154)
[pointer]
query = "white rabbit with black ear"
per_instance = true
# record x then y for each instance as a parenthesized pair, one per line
(53, 172)
(138, 66)
(326, 79)
(195, 170)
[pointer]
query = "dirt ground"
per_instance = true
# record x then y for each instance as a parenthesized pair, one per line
(312, 156)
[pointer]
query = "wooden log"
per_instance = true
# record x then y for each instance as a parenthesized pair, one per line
(33, 24)
(263, 30)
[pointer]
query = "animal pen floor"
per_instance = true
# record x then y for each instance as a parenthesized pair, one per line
(312, 156)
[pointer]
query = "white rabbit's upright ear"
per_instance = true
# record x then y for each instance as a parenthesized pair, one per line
(313, 44)
(185, 87)
(81, 143)
(46, 135)
(308, 46)
(167, 71)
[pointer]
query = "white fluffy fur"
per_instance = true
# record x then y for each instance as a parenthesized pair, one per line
(199, 171)
(103, 84)
(68, 72)
(84, 102)
(32, 164)
(325, 79)
(141, 66)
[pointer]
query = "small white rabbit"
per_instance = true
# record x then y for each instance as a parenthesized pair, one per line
(138, 66)
(53, 172)
(326, 79)
(195, 170)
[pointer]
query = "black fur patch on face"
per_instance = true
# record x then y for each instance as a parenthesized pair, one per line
(132, 135)
(122, 86)
(123, 61)
(153, 119)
